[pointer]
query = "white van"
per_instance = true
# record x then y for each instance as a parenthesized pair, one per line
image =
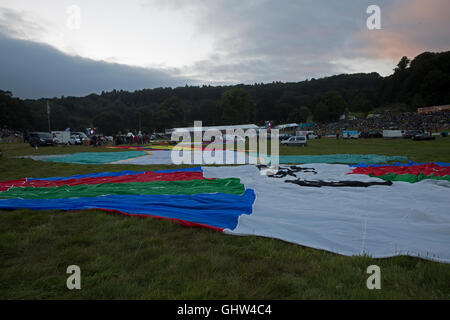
(296, 141)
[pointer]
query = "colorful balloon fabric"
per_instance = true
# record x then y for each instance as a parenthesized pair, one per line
(92, 157)
(408, 172)
(352, 212)
(162, 154)
(183, 195)
(379, 221)
(336, 158)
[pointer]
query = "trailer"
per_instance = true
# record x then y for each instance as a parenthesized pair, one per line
(393, 134)
(61, 137)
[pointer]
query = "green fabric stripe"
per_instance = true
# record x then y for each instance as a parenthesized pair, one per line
(411, 178)
(229, 185)
(95, 157)
(334, 158)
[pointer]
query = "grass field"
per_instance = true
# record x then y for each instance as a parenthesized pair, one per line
(136, 258)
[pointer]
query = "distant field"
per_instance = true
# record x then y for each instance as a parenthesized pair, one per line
(135, 258)
(419, 151)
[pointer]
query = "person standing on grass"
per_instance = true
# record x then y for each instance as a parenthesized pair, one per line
(94, 141)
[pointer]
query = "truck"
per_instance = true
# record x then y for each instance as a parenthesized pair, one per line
(350, 134)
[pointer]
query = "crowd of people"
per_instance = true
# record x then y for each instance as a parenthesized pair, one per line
(131, 138)
(10, 135)
(434, 122)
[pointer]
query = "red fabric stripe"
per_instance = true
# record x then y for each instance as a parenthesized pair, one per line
(145, 177)
(427, 169)
(5, 185)
(182, 222)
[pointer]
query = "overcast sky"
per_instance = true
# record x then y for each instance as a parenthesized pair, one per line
(46, 51)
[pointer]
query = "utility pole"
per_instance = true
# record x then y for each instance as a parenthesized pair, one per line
(139, 121)
(48, 117)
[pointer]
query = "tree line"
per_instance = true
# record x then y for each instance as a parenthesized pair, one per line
(423, 81)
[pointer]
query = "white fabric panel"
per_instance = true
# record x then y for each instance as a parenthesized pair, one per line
(157, 157)
(381, 221)
(164, 157)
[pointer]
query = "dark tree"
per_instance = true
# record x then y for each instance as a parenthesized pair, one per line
(108, 123)
(403, 63)
(13, 112)
(330, 106)
(299, 115)
(423, 81)
(236, 106)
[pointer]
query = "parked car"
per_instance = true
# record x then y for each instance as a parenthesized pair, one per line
(370, 134)
(231, 137)
(41, 139)
(82, 135)
(159, 136)
(284, 136)
(75, 139)
(296, 141)
(410, 134)
(423, 136)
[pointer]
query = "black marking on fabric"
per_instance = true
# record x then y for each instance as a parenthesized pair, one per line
(344, 183)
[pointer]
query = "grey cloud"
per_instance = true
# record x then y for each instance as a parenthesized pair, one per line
(290, 40)
(253, 41)
(14, 24)
(276, 40)
(33, 70)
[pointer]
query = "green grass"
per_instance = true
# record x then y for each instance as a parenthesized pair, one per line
(136, 258)
(419, 151)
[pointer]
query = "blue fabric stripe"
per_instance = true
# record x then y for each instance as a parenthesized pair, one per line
(217, 210)
(115, 174)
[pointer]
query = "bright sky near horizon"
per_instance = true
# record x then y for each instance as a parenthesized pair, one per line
(128, 32)
(173, 42)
